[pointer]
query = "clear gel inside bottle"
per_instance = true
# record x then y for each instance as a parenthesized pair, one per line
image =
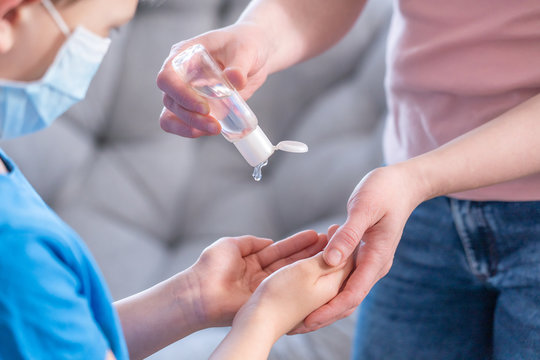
(239, 124)
(201, 72)
(227, 107)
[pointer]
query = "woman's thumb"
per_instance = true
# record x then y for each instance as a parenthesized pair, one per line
(345, 240)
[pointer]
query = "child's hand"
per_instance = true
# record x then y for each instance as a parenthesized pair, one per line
(229, 271)
(286, 297)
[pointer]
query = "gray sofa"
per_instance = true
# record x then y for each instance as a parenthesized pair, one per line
(147, 202)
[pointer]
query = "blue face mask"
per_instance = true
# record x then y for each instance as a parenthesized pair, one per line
(26, 107)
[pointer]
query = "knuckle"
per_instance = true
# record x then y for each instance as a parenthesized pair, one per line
(161, 80)
(182, 99)
(353, 201)
(167, 101)
(165, 76)
(351, 300)
(176, 48)
(206, 256)
(386, 268)
(189, 120)
(349, 237)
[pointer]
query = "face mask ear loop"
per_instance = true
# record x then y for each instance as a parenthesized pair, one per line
(56, 17)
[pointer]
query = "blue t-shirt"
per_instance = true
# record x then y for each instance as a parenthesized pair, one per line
(54, 303)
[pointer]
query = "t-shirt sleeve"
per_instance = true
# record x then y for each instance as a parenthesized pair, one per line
(44, 312)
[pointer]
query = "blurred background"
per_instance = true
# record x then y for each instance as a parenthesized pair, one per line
(147, 203)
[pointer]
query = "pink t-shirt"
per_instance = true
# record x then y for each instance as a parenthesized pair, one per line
(454, 65)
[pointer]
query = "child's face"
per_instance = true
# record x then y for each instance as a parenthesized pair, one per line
(30, 39)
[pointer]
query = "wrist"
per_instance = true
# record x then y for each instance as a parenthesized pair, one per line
(251, 336)
(254, 317)
(209, 303)
(187, 301)
(276, 47)
(416, 179)
(253, 32)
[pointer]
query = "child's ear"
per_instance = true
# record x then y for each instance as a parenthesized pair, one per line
(8, 13)
(6, 36)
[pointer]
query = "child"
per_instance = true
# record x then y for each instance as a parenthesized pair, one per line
(463, 94)
(53, 300)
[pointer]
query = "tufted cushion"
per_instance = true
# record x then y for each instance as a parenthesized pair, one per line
(147, 202)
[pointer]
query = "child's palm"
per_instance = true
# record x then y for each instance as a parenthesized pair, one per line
(230, 270)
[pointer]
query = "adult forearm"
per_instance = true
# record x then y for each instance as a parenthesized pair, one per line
(160, 315)
(298, 30)
(506, 148)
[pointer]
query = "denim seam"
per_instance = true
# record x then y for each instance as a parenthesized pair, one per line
(465, 239)
(492, 248)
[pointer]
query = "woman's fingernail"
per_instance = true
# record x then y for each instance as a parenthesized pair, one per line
(212, 128)
(334, 257)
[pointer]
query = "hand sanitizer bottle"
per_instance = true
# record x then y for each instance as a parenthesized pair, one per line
(239, 124)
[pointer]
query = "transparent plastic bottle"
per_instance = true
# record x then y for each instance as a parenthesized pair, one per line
(239, 124)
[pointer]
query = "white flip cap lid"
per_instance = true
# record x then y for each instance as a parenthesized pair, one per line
(256, 148)
(292, 146)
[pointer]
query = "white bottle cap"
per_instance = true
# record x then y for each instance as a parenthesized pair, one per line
(256, 148)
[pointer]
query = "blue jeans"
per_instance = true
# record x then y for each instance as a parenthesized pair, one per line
(465, 284)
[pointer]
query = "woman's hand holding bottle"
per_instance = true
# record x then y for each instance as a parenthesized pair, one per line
(240, 50)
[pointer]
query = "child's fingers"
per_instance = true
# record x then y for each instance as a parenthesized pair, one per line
(300, 255)
(287, 247)
(332, 230)
(250, 244)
